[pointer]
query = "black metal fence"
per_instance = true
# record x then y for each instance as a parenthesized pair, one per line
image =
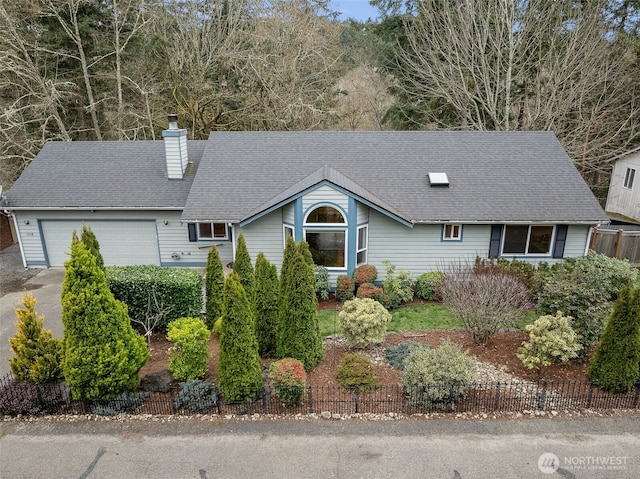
(32, 399)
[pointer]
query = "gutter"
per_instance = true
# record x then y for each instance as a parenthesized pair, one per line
(15, 225)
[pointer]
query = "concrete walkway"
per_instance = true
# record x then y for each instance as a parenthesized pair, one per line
(46, 287)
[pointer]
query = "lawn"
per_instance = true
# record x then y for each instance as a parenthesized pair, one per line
(411, 318)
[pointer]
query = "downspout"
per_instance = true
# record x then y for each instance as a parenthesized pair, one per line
(587, 246)
(15, 225)
(233, 241)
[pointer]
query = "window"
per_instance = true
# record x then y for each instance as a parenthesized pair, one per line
(212, 231)
(287, 233)
(629, 177)
(326, 233)
(527, 240)
(452, 233)
(361, 247)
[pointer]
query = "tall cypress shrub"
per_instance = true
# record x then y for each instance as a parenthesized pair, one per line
(298, 328)
(239, 372)
(265, 305)
(102, 353)
(614, 366)
(90, 240)
(242, 266)
(214, 285)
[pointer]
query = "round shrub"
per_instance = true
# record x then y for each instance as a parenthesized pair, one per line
(188, 359)
(344, 288)
(363, 321)
(365, 273)
(429, 285)
(551, 338)
(437, 378)
(196, 396)
(289, 380)
(369, 290)
(356, 372)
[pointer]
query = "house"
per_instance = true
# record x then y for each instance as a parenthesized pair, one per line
(623, 199)
(421, 199)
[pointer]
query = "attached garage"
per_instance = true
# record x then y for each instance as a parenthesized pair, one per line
(121, 242)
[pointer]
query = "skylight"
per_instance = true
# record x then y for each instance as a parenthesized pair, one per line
(438, 179)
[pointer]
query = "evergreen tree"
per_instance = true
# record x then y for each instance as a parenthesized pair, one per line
(90, 240)
(239, 372)
(242, 266)
(36, 353)
(614, 366)
(102, 353)
(298, 328)
(265, 305)
(214, 285)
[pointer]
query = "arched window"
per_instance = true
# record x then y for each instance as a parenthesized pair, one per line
(326, 233)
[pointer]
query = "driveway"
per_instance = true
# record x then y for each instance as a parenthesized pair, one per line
(44, 284)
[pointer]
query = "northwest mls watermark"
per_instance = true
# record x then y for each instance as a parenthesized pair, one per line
(549, 463)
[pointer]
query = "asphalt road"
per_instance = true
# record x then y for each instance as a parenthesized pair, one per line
(583, 448)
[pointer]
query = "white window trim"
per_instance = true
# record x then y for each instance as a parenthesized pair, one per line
(329, 228)
(364, 249)
(629, 178)
(526, 246)
(286, 228)
(453, 227)
(213, 237)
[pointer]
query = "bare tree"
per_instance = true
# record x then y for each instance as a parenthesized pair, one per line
(513, 65)
(33, 96)
(485, 301)
(288, 72)
(155, 314)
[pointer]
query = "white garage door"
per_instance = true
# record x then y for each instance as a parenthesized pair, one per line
(121, 242)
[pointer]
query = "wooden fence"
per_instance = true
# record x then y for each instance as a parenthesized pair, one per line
(622, 242)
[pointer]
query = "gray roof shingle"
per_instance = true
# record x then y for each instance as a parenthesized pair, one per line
(494, 176)
(234, 176)
(107, 174)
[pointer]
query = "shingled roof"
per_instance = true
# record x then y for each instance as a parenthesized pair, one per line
(103, 174)
(494, 176)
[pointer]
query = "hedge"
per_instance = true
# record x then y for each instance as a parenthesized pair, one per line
(145, 289)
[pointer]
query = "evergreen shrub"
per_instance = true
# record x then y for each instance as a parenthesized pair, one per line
(437, 378)
(397, 285)
(429, 285)
(179, 290)
(196, 396)
(356, 372)
(551, 339)
(396, 355)
(614, 366)
(37, 355)
(265, 306)
(322, 282)
(363, 322)
(102, 353)
(188, 358)
(239, 370)
(214, 285)
(289, 380)
(365, 273)
(124, 402)
(344, 288)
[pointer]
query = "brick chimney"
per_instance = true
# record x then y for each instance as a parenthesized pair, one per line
(175, 148)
